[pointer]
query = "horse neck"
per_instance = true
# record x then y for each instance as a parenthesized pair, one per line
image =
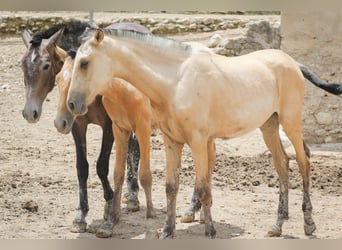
(152, 70)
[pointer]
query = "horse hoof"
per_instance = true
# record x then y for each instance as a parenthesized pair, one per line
(274, 232)
(309, 229)
(104, 233)
(124, 199)
(188, 217)
(78, 227)
(166, 235)
(133, 205)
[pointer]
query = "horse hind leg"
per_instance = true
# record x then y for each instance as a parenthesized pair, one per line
(133, 158)
(294, 133)
(145, 174)
(270, 131)
(195, 204)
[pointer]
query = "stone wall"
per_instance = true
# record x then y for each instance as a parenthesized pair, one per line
(315, 39)
(11, 24)
(233, 34)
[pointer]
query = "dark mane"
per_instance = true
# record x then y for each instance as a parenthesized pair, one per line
(71, 53)
(70, 38)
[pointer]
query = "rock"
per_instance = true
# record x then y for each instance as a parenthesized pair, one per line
(30, 205)
(324, 118)
(215, 40)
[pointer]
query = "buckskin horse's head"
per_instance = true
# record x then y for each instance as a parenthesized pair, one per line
(40, 64)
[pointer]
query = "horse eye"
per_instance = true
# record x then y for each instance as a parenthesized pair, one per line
(84, 64)
(46, 66)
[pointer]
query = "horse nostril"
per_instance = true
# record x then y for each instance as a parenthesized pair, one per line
(64, 124)
(71, 106)
(35, 114)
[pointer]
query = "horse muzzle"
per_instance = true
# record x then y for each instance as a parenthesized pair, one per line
(76, 103)
(64, 123)
(32, 112)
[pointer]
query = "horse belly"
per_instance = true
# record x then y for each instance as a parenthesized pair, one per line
(244, 116)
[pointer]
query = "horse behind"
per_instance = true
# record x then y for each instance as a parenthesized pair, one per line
(41, 62)
(129, 111)
(199, 97)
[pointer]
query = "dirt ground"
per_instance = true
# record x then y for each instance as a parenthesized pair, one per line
(39, 190)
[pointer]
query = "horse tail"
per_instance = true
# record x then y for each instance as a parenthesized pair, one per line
(333, 88)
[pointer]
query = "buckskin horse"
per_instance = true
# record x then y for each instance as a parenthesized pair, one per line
(200, 96)
(41, 63)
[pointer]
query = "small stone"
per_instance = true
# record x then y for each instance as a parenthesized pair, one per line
(31, 206)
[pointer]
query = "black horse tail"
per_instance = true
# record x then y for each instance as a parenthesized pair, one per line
(333, 88)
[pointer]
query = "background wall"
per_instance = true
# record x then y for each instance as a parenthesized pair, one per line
(315, 39)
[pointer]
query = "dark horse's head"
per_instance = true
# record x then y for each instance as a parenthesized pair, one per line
(43, 60)
(40, 65)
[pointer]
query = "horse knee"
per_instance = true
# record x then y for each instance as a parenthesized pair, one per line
(171, 190)
(145, 177)
(204, 194)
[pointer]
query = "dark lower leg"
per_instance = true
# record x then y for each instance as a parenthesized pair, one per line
(133, 159)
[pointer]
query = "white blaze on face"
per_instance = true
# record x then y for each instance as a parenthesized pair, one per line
(33, 56)
(66, 75)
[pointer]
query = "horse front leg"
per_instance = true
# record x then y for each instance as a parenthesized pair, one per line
(79, 130)
(133, 158)
(121, 148)
(102, 165)
(173, 151)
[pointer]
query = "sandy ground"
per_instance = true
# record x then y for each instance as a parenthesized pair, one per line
(39, 190)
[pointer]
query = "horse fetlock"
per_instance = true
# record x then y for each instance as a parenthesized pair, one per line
(210, 233)
(107, 209)
(309, 224)
(114, 216)
(167, 233)
(202, 217)
(150, 214)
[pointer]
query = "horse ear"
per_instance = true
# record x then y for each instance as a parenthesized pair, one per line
(55, 37)
(99, 35)
(26, 36)
(61, 53)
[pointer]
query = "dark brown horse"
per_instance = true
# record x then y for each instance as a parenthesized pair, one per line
(41, 63)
